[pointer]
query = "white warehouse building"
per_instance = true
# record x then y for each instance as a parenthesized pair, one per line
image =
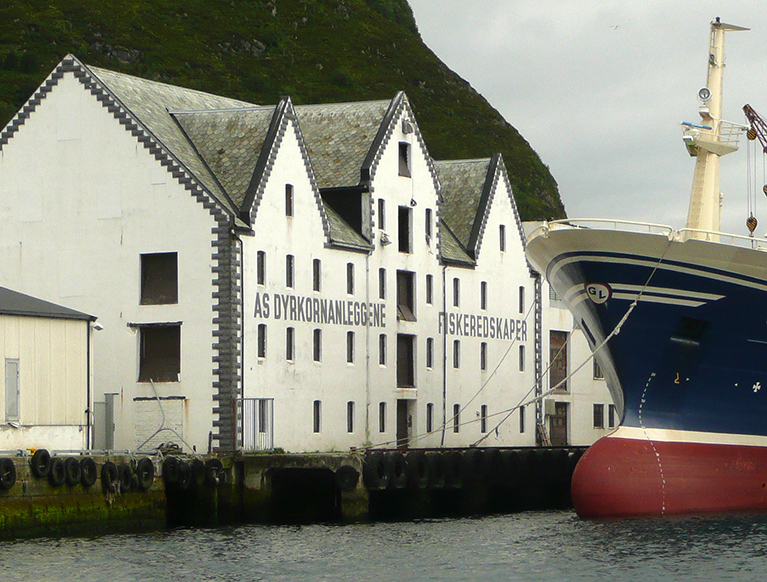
(303, 277)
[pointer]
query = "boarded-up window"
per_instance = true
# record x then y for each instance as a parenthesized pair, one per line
(11, 390)
(405, 296)
(405, 361)
(159, 279)
(149, 414)
(160, 357)
(558, 358)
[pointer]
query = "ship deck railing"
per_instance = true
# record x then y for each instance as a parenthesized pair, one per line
(679, 235)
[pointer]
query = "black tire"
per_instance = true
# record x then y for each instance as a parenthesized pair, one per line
(7, 474)
(145, 473)
(72, 472)
(374, 472)
(213, 470)
(125, 476)
(453, 477)
(198, 470)
(57, 473)
(417, 470)
(109, 477)
(472, 466)
(435, 470)
(40, 463)
(89, 472)
(347, 478)
(170, 471)
(184, 474)
(492, 466)
(395, 463)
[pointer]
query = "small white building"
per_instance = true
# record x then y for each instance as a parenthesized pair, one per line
(303, 269)
(46, 392)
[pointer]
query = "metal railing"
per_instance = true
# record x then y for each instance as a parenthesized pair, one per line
(255, 424)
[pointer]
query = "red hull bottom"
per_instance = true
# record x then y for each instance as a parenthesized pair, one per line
(620, 477)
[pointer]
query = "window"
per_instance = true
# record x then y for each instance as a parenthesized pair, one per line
(317, 416)
(262, 340)
(381, 214)
(599, 416)
(382, 283)
(483, 356)
(349, 347)
(404, 159)
(521, 299)
(429, 289)
(456, 292)
(483, 295)
(502, 238)
(350, 416)
(405, 296)
(382, 349)
(261, 268)
(427, 225)
(316, 275)
(430, 417)
(290, 344)
(160, 357)
(456, 353)
(429, 352)
(317, 345)
(521, 419)
(288, 200)
(350, 278)
(611, 416)
(12, 390)
(403, 229)
(558, 359)
(159, 279)
(483, 418)
(598, 375)
(456, 417)
(289, 270)
(382, 417)
(405, 361)
(521, 358)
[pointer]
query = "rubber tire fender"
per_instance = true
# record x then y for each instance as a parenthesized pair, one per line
(40, 463)
(145, 473)
(198, 470)
(170, 471)
(213, 470)
(58, 473)
(435, 470)
(89, 472)
(395, 464)
(72, 472)
(7, 474)
(125, 476)
(374, 472)
(347, 477)
(417, 470)
(108, 476)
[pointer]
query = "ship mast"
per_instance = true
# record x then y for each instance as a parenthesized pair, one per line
(710, 139)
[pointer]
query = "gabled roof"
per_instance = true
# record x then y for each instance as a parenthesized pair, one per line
(339, 137)
(451, 250)
(15, 303)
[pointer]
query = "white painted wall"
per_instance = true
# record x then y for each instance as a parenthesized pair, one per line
(80, 200)
(53, 382)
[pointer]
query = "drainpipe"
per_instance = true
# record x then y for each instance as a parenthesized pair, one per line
(88, 334)
(444, 354)
(238, 241)
(368, 403)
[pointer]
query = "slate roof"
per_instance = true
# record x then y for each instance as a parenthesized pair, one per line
(338, 138)
(230, 142)
(463, 183)
(451, 249)
(149, 102)
(15, 303)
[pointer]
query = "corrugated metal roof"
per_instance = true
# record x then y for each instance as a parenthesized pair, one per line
(15, 303)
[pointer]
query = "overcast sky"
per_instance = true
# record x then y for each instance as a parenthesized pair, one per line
(599, 87)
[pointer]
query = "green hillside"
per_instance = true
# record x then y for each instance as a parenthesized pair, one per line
(257, 50)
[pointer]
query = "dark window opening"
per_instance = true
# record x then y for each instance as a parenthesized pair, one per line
(611, 415)
(558, 359)
(427, 225)
(317, 416)
(429, 352)
(381, 214)
(483, 418)
(483, 295)
(350, 416)
(430, 417)
(456, 417)
(404, 159)
(429, 289)
(159, 279)
(261, 268)
(316, 275)
(262, 340)
(350, 278)
(317, 345)
(405, 361)
(382, 349)
(502, 238)
(382, 417)
(290, 344)
(288, 200)
(521, 419)
(599, 416)
(289, 271)
(404, 216)
(483, 356)
(405, 296)
(350, 347)
(160, 358)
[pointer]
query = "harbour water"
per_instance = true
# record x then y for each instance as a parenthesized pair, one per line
(528, 546)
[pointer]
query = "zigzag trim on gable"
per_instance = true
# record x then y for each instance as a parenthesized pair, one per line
(284, 112)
